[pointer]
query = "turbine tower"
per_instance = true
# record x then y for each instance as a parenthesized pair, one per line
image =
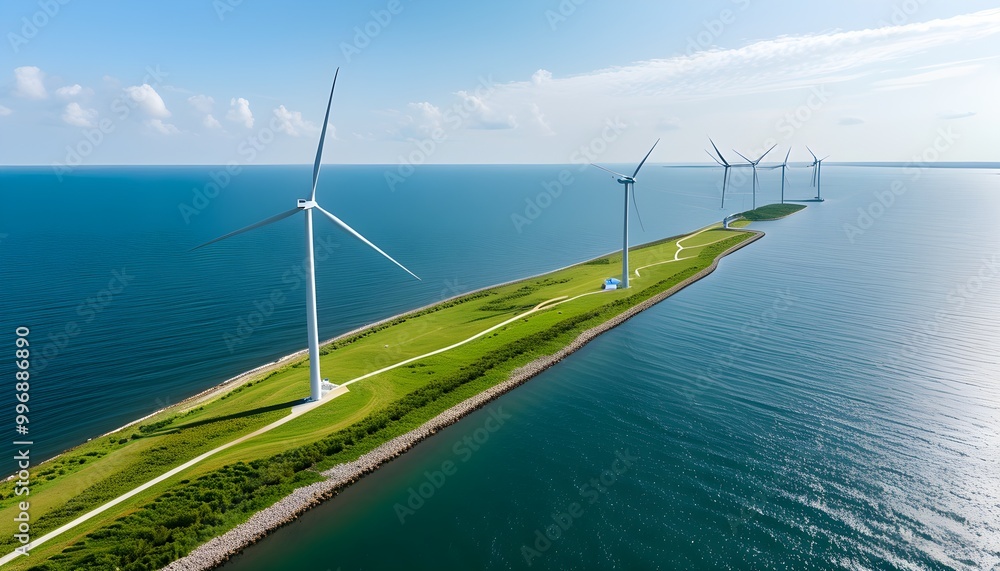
(754, 165)
(784, 167)
(307, 206)
(628, 182)
(817, 167)
(725, 166)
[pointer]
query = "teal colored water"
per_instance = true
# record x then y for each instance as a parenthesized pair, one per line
(125, 319)
(829, 398)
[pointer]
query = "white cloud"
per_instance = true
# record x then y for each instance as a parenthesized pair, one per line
(29, 82)
(164, 128)
(419, 122)
(541, 76)
(539, 117)
(668, 124)
(78, 116)
(783, 63)
(291, 123)
(482, 116)
(921, 79)
(211, 122)
(842, 63)
(203, 103)
(148, 100)
(69, 91)
(4, 111)
(239, 112)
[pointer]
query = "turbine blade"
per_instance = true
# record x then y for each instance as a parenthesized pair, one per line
(741, 155)
(788, 154)
(714, 159)
(824, 158)
(274, 218)
(618, 174)
(814, 175)
(644, 159)
(811, 152)
(354, 233)
(322, 137)
(636, 206)
(765, 153)
(724, 161)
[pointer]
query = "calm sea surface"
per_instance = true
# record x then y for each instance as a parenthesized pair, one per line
(829, 398)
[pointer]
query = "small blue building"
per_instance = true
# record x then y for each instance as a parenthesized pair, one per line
(612, 283)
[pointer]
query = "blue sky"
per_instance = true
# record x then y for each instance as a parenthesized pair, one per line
(539, 81)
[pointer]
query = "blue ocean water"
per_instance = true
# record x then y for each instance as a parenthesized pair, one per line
(104, 253)
(828, 398)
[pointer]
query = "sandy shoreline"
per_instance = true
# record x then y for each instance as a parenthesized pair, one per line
(218, 550)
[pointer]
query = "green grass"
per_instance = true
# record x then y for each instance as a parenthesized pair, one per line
(148, 530)
(772, 212)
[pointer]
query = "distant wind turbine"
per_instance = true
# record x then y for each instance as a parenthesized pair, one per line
(307, 206)
(725, 166)
(754, 165)
(784, 167)
(817, 167)
(629, 182)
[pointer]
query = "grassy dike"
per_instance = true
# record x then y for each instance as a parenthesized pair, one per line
(169, 520)
(771, 212)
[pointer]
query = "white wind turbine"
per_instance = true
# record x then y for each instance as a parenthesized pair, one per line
(784, 167)
(725, 166)
(629, 182)
(754, 165)
(307, 206)
(817, 167)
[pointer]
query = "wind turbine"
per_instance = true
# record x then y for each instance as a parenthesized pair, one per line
(629, 182)
(783, 166)
(725, 166)
(307, 206)
(754, 165)
(817, 167)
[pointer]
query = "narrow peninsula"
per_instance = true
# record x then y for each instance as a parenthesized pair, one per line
(193, 484)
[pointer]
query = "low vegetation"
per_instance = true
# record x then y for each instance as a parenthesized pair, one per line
(216, 495)
(772, 212)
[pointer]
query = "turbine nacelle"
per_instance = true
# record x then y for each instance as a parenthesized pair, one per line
(305, 204)
(626, 180)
